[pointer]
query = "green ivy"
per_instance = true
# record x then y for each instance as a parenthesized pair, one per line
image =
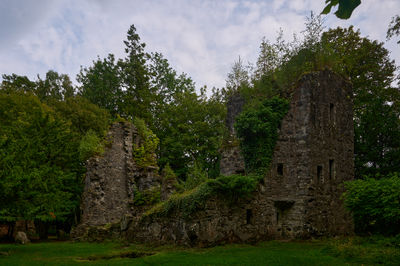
(147, 197)
(257, 128)
(144, 153)
(230, 188)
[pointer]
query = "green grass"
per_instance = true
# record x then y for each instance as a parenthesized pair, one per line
(328, 252)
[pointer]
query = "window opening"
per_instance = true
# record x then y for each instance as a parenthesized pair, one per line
(280, 169)
(331, 169)
(319, 173)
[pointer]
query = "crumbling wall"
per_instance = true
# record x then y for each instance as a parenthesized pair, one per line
(232, 161)
(111, 182)
(295, 199)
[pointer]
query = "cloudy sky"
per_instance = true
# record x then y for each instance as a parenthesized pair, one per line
(201, 38)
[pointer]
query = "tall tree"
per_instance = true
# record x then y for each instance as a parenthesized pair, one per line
(376, 101)
(39, 162)
(101, 84)
(135, 78)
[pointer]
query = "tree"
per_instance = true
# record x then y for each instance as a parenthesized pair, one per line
(13, 83)
(40, 177)
(394, 28)
(376, 101)
(101, 84)
(54, 87)
(135, 78)
(239, 76)
(191, 134)
(345, 9)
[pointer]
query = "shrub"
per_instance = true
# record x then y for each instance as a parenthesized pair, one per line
(90, 145)
(375, 204)
(147, 197)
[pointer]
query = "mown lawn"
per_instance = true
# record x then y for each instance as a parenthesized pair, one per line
(353, 251)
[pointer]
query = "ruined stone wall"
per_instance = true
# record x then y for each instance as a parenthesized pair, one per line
(232, 161)
(112, 181)
(296, 197)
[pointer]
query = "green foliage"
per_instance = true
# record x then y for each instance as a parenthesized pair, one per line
(168, 173)
(376, 101)
(375, 204)
(54, 87)
(101, 84)
(346, 7)
(147, 197)
(196, 175)
(144, 153)
(394, 28)
(83, 116)
(39, 162)
(257, 128)
(231, 188)
(90, 145)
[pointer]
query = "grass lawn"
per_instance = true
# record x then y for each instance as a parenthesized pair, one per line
(352, 251)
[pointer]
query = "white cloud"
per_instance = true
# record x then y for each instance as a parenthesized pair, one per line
(201, 38)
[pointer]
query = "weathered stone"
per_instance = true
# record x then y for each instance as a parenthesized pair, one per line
(299, 196)
(110, 184)
(21, 238)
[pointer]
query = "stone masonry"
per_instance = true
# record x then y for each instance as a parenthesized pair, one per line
(300, 195)
(112, 180)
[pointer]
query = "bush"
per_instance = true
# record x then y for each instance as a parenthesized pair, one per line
(90, 145)
(375, 204)
(147, 197)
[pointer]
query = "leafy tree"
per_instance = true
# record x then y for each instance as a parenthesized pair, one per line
(239, 76)
(394, 28)
(83, 116)
(54, 87)
(101, 84)
(13, 83)
(135, 78)
(376, 101)
(40, 177)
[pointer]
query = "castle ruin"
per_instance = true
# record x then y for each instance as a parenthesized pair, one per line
(299, 197)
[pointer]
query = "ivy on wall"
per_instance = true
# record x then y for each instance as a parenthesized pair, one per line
(257, 128)
(144, 153)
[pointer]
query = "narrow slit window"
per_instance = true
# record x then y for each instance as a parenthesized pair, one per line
(319, 173)
(280, 169)
(249, 216)
(332, 113)
(331, 169)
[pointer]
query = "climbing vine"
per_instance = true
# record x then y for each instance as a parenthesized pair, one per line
(257, 128)
(144, 153)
